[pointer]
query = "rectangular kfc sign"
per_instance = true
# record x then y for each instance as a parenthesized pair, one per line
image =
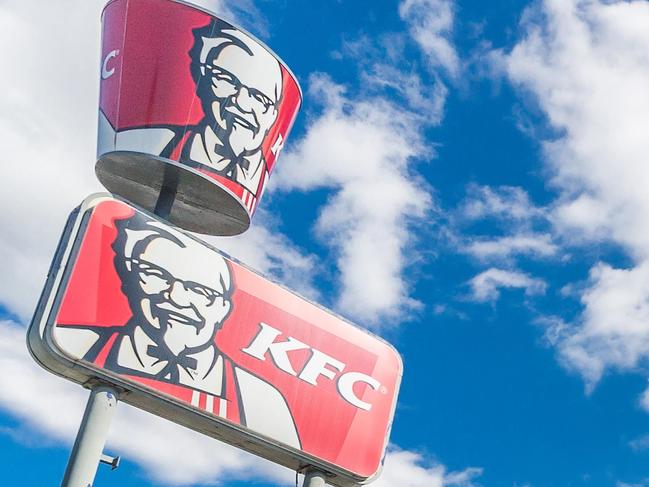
(187, 333)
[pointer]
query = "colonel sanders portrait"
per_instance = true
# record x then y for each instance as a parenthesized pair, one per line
(239, 87)
(180, 294)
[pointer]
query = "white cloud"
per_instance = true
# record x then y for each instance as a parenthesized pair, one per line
(376, 194)
(386, 66)
(524, 226)
(507, 203)
(614, 327)
(408, 469)
(422, 98)
(486, 286)
(644, 400)
(539, 245)
(587, 66)
(24, 382)
(376, 197)
(48, 107)
(641, 443)
(586, 63)
(642, 483)
(431, 25)
(589, 216)
(173, 455)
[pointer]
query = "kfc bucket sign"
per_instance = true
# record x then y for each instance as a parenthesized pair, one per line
(191, 108)
(187, 333)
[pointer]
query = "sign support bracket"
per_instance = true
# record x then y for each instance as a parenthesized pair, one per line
(314, 478)
(91, 437)
(168, 191)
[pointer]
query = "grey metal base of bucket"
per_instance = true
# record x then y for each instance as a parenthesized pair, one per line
(199, 204)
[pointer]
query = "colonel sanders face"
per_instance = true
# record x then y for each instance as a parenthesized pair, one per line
(177, 288)
(240, 88)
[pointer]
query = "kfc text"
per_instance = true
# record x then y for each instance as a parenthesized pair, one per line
(319, 364)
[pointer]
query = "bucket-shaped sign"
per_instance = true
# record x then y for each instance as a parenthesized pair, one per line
(193, 113)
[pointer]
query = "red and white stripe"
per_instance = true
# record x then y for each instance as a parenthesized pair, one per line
(249, 201)
(211, 404)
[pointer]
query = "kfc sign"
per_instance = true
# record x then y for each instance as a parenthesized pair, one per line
(188, 100)
(187, 333)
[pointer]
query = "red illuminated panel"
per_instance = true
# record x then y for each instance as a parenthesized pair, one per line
(165, 312)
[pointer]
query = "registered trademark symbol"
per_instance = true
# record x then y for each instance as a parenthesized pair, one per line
(383, 390)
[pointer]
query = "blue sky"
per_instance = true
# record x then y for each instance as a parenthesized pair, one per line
(467, 179)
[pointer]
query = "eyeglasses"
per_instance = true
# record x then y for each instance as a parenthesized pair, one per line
(165, 280)
(222, 78)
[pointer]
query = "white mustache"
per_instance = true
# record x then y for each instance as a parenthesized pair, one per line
(250, 119)
(188, 313)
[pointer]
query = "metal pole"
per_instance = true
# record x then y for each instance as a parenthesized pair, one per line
(314, 478)
(91, 438)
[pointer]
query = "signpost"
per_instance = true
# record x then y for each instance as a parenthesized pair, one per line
(89, 445)
(185, 332)
(193, 113)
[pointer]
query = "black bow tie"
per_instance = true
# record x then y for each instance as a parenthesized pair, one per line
(173, 361)
(242, 162)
